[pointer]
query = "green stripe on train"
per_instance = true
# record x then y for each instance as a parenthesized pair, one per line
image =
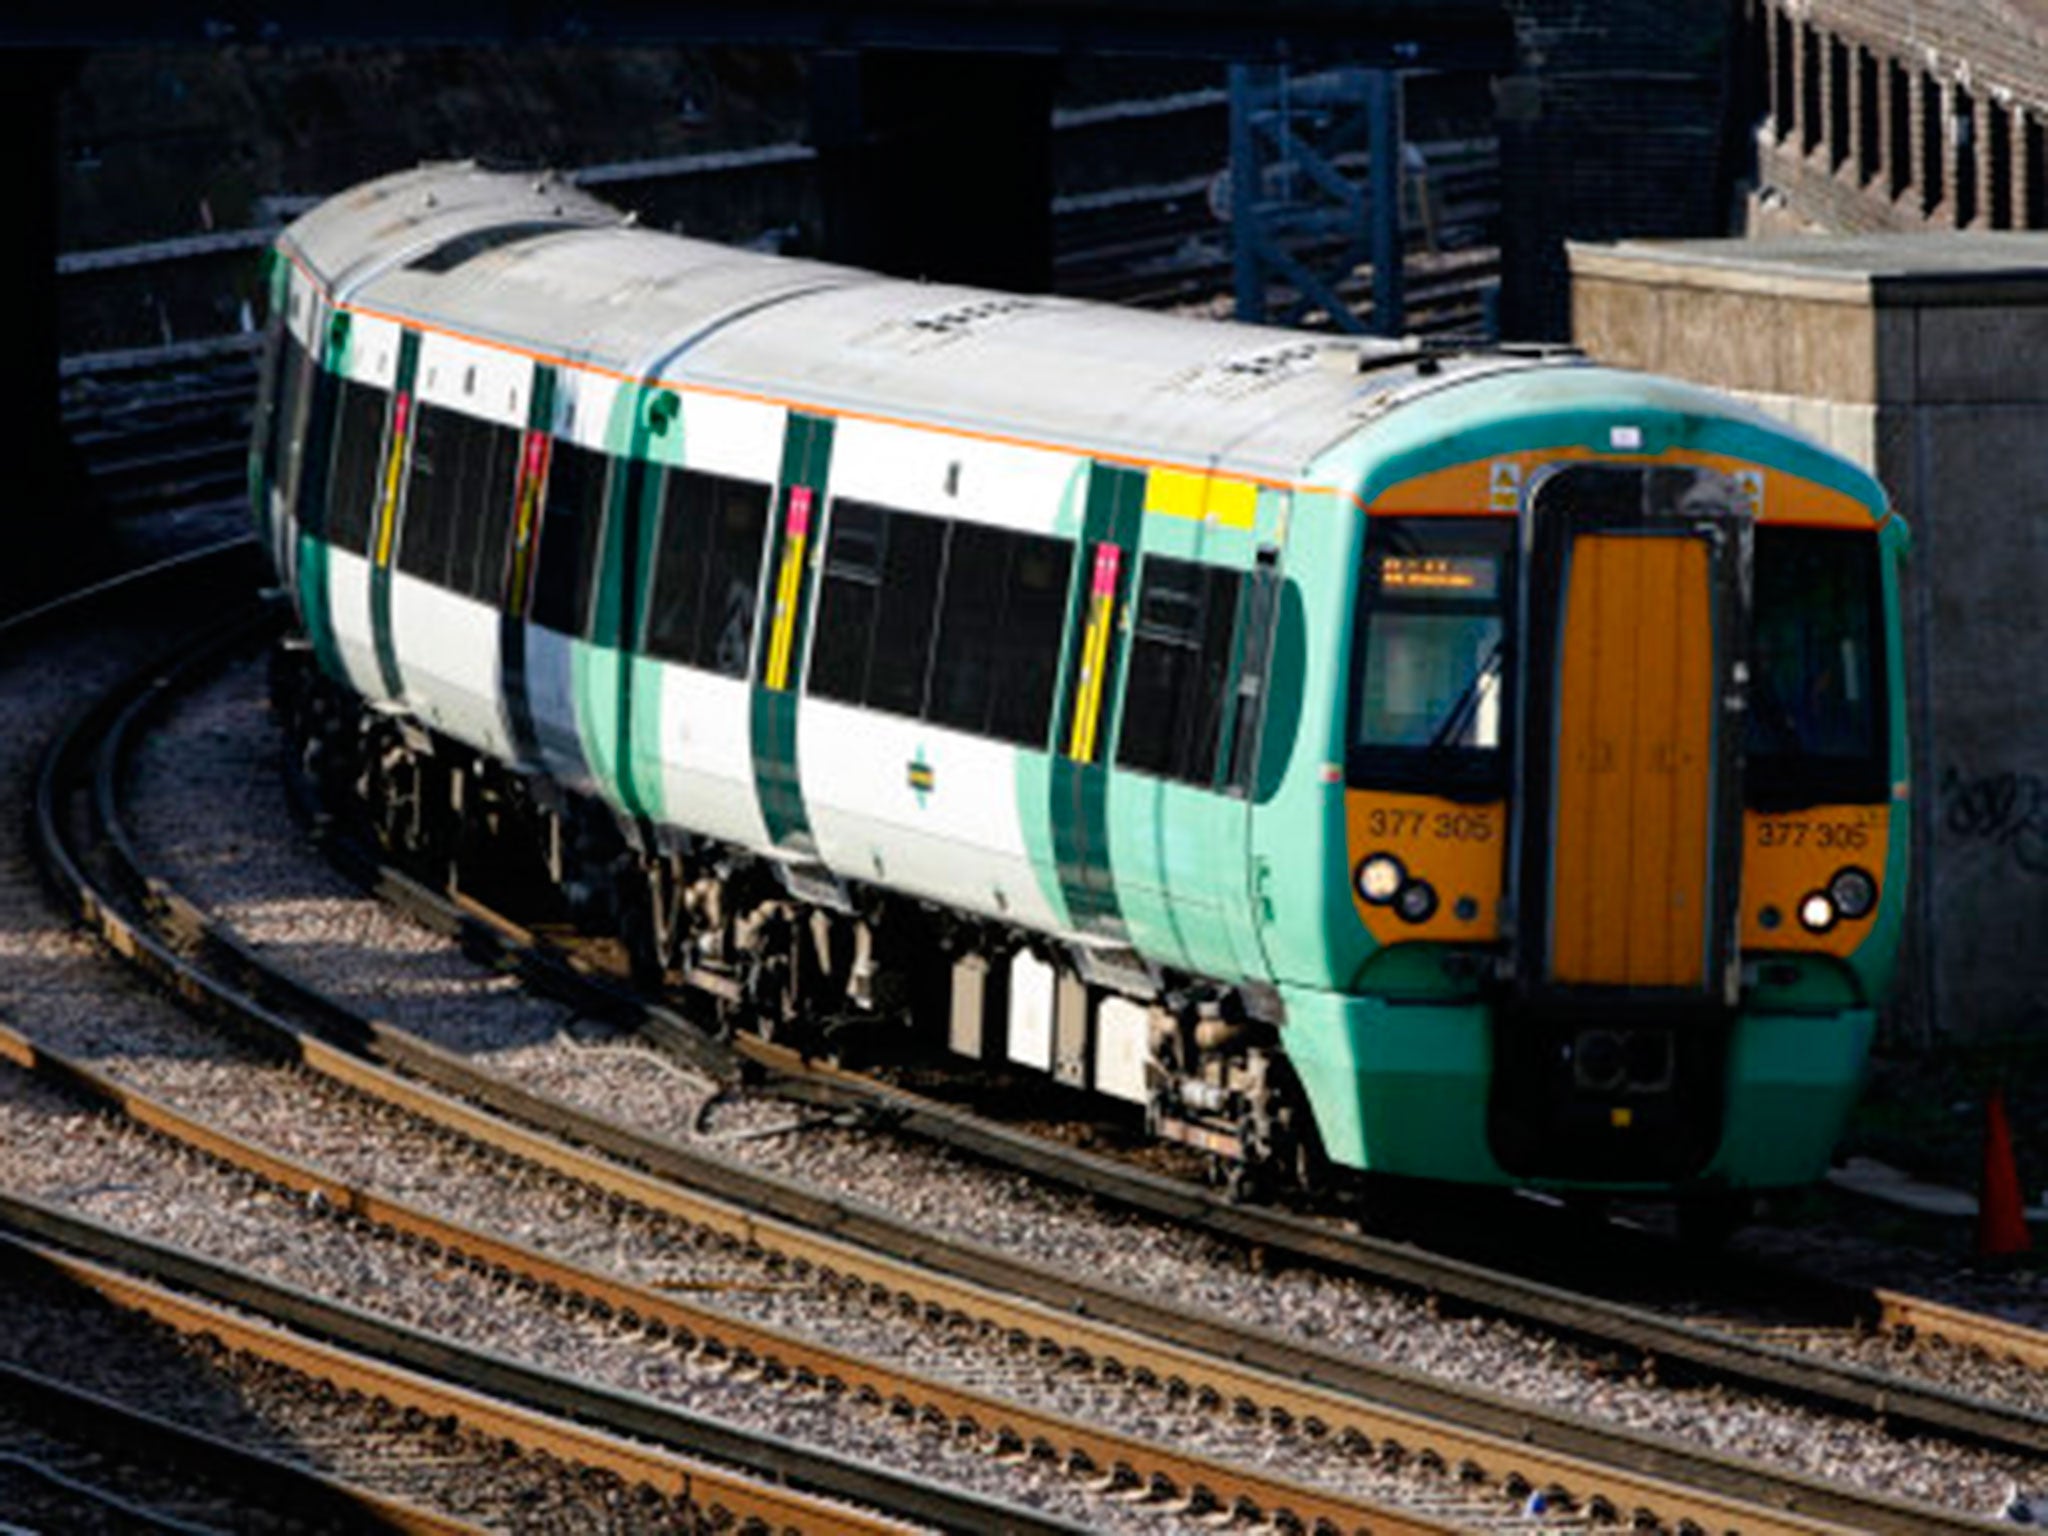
(778, 784)
(607, 701)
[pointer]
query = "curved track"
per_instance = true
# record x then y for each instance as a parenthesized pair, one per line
(1554, 1450)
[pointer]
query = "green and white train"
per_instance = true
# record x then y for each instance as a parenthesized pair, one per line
(1479, 766)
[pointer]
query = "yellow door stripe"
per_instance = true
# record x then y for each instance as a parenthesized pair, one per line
(388, 509)
(1095, 653)
(787, 582)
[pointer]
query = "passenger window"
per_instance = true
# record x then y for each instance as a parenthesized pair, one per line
(913, 555)
(970, 620)
(1179, 675)
(570, 526)
(426, 537)
(458, 509)
(846, 602)
(490, 478)
(358, 455)
(955, 623)
(999, 633)
(707, 572)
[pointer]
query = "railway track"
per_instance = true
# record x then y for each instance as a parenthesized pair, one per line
(386, 1410)
(79, 1460)
(1772, 1358)
(162, 430)
(1515, 1449)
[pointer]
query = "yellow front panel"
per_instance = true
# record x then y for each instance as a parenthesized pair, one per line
(1634, 764)
(1458, 848)
(1789, 855)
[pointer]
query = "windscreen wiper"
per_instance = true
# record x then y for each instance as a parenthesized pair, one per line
(1462, 709)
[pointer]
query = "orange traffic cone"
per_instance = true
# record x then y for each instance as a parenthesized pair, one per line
(2001, 1212)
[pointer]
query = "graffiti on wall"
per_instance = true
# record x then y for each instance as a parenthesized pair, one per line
(2008, 810)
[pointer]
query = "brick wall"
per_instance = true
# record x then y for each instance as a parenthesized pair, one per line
(1614, 124)
(1939, 119)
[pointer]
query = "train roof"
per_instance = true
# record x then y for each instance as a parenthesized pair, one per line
(531, 262)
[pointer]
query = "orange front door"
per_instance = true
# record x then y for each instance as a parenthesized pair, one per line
(1630, 869)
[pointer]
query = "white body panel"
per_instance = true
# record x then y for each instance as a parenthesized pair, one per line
(348, 608)
(1122, 1042)
(963, 845)
(998, 483)
(741, 439)
(373, 351)
(707, 761)
(448, 657)
(583, 407)
(488, 383)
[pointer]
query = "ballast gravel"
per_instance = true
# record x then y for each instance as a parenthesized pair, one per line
(139, 1185)
(199, 1384)
(208, 800)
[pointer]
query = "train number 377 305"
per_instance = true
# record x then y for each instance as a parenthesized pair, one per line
(1437, 826)
(1839, 836)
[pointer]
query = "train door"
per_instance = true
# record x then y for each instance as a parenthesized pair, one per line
(1088, 692)
(384, 526)
(1631, 821)
(534, 452)
(1628, 838)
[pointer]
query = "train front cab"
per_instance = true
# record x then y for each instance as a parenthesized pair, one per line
(1623, 814)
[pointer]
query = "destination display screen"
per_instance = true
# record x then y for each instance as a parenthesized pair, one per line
(1475, 576)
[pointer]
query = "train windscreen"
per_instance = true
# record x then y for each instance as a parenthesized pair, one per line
(1817, 683)
(1431, 699)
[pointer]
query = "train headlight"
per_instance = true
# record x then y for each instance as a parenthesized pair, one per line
(1853, 892)
(1816, 912)
(1417, 902)
(1380, 877)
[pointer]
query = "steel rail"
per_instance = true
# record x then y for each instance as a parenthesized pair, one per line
(1676, 1347)
(1512, 1441)
(1996, 1336)
(1082, 1448)
(131, 1433)
(356, 1351)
